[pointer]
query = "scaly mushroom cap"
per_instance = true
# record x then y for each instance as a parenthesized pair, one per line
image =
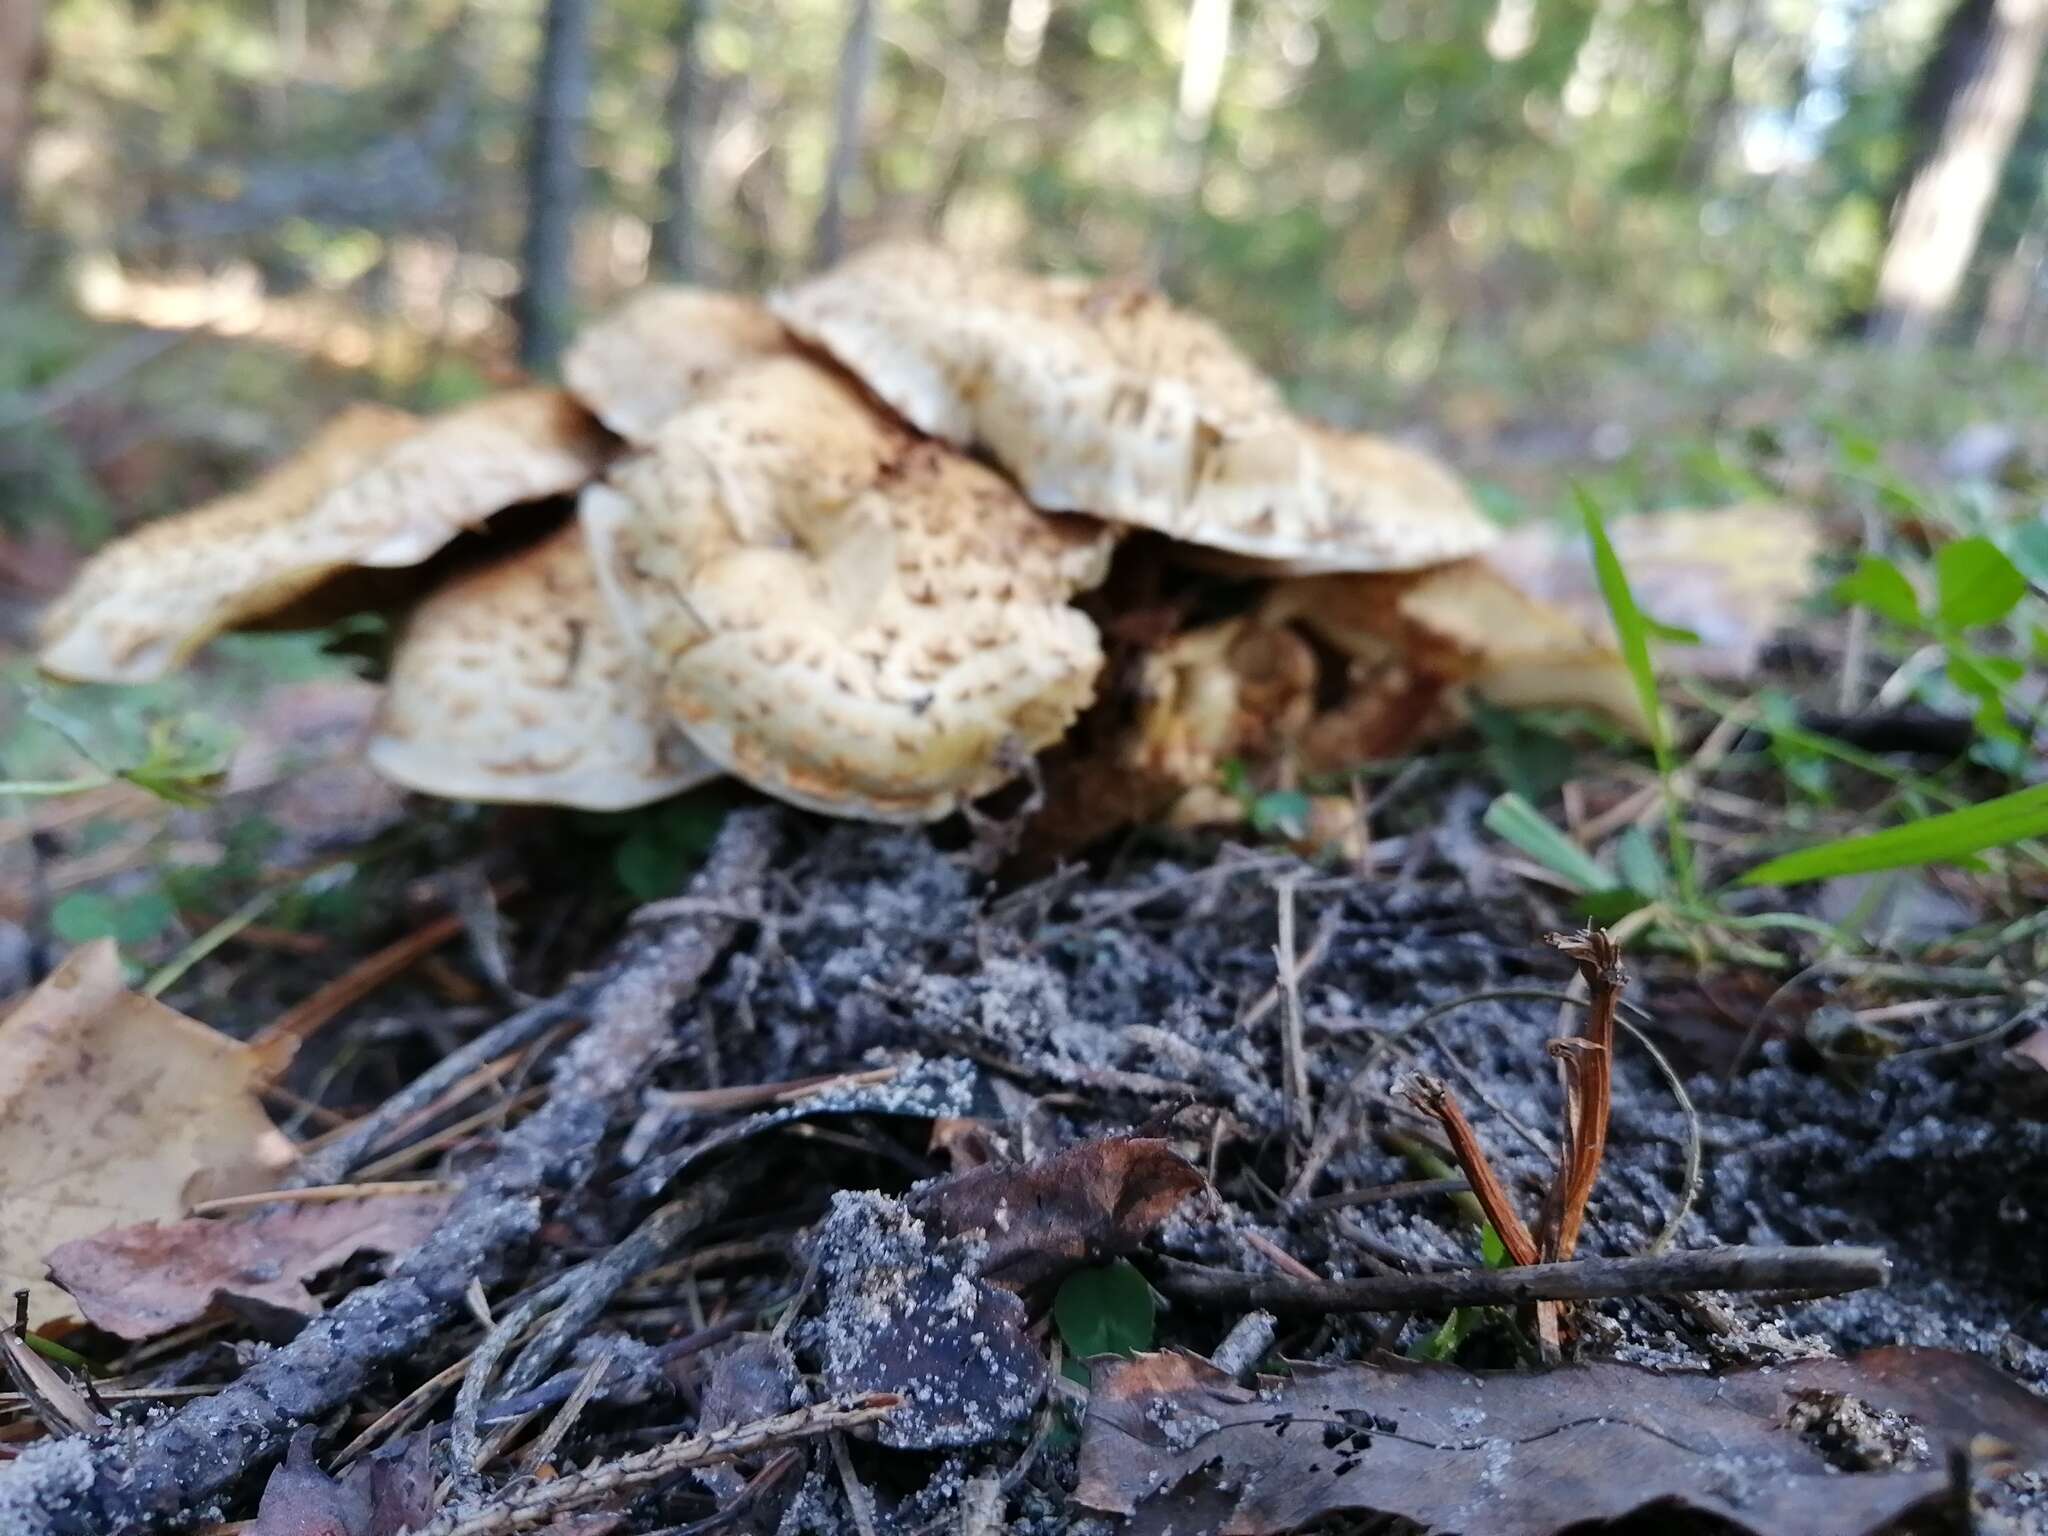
(514, 683)
(848, 618)
(376, 488)
(663, 348)
(1105, 399)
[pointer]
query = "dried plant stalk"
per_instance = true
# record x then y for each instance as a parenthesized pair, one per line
(1589, 1087)
(1433, 1098)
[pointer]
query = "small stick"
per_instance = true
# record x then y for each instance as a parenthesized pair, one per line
(571, 1410)
(337, 1158)
(1294, 1054)
(292, 1028)
(529, 1506)
(1375, 1194)
(1279, 1257)
(322, 1194)
(1806, 1271)
(1434, 1099)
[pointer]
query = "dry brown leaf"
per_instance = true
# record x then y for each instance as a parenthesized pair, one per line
(302, 1500)
(139, 1281)
(1174, 1443)
(115, 1109)
(1042, 1220)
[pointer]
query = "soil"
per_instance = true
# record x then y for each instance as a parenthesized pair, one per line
(1139, 996)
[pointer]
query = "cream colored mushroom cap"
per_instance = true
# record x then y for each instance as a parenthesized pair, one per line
(1106, 399)
(377, 487)
(660, 349)
(847, 617)
(514, 683)
(142, 604)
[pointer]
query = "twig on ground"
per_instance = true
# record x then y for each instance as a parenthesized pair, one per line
(1342, 1120)
(529, 1506)
(1800, 1271)
(571, 1410)
(1406, 1189)
(857, 1496)
(169, 1470)
(322, 1194)
(297, 1024)
(1293, 1051)
(336, 1159)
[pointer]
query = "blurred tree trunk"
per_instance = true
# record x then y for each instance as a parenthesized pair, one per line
(21, 25)
(554, 181)
(849, 111)
(675, 237)
(1203, 56)
(1977, 88)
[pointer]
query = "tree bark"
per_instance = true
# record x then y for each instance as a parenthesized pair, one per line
(561, 97)
(849, 110)
(1204, 54)
(675, 237)
(1940, 216)
(21, 24)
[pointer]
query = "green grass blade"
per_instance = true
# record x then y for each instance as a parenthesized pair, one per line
(2010, 818)
(1633, 631)
(1515, 820)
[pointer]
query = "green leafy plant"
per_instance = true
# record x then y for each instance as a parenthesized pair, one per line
(1634, 630)
(181, 761)
(1103, 1311)
(663, 844)
(1452, 1334)
(1977, 587)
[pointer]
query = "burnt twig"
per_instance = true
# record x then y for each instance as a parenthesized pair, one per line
(1801, 1271)
(531, 1505)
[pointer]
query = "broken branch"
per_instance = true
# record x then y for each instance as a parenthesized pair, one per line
(530, 1505)
(1805, 1271)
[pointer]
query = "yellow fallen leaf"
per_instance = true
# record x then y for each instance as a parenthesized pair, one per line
(1733, 575)
(116, 1109)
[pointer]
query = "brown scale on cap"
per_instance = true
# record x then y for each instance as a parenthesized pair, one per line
(376, 488)
(514, 683)
(663, 348)
(842, 614)
(1104, 398)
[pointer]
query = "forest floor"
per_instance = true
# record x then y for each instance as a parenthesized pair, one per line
(864, 1139)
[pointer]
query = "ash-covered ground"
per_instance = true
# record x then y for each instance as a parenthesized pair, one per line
(1146, 993)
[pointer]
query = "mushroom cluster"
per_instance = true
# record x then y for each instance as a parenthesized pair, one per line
(851, 545)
